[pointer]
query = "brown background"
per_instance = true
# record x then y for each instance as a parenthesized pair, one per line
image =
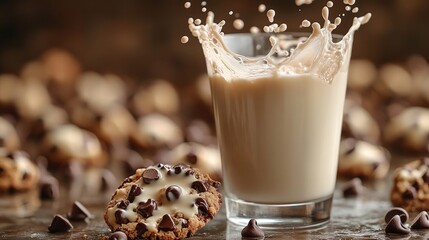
(141, 38)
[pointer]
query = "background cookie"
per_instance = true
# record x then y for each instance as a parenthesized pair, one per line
(163, 202)
(17, 172)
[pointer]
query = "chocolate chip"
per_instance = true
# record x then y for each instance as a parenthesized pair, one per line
(395, 226)
(118, 236)
(135, 190)
(123, 204)
(79, 212)
(60, 224)
(49, 188)
(189, 172)
(402, 213)
(410, 193)
(353, 188)
(25, 176)
(421, 221)
(119, 217)
(185, 223)
(191, 158)
(108, 180)
(145, 209)
(178, 169)
(1, 171)
(150, 175)
(202, 205)
(199, 186)
(141, 228)
(252, 230)
(173, 192)
(167, 223)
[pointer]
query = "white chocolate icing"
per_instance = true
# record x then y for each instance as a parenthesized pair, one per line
(156, 191)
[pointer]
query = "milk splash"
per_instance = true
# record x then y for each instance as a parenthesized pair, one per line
(318, 54)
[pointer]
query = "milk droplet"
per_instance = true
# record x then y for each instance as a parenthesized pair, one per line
(184, 39)
(197, 21)
(355, 10)
(187, 4)
(301, 2)
(190, 20)
(261, 8)
(238, 24)
(330, 4)
(337, 21)
(349, 2)
(270, 14)
(254, 30)
(305, 23)
(203, 9)
(203, 3)
(348, 8)
(230, 13)
(282, 27)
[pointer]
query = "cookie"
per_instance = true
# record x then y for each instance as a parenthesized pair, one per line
(116, 125)
(101, 92)
(9, 86)
(199, 156)
(156, 131)
(358, 123)
(362, 74)
(68, 143)
(411, 186)
(409, 130)
(31, 100)
(50, 118)
(163, 202)
(9, 139)
(362, 159)
(17, 172)
(161, 96)
(200, 132)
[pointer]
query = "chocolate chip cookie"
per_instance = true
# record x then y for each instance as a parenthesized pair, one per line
(17, 172)
(163, 202)
(411, 186)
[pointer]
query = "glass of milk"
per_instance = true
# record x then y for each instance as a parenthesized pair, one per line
(278, 104)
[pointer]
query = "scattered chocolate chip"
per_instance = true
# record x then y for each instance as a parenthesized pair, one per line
(141, 228)
(119, 217)
(118, 236)
(202, 205)
(402, 213)
(150, 175)
(191, 158)
(108, 180)
(173, 192)
(123, 204)
(135, 190)
(145, 209)
(421, 221)
(60, 224)
(395, 226)
(410, 193)
(353, 188)
(49, 188)
(166, 223)
(79, 212)
(199, 186)
(252, 230)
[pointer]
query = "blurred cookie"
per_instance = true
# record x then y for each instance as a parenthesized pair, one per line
(359, 124)
(362, 74)
(161, 96)
(409, 130)
(163, 202)
(101, 92)
(31, 100)
(9, 86)
(51, 117)
(411, 186)
(198, 156)
(68, 143)
(61, 66)
(17, 172)
(116, 125)
(9, 139)
(156, 131)
(199, 131)
(363, 160)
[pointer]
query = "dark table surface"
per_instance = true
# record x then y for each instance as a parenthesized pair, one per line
(24, 216)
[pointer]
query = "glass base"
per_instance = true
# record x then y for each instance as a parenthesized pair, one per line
(307, 215)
